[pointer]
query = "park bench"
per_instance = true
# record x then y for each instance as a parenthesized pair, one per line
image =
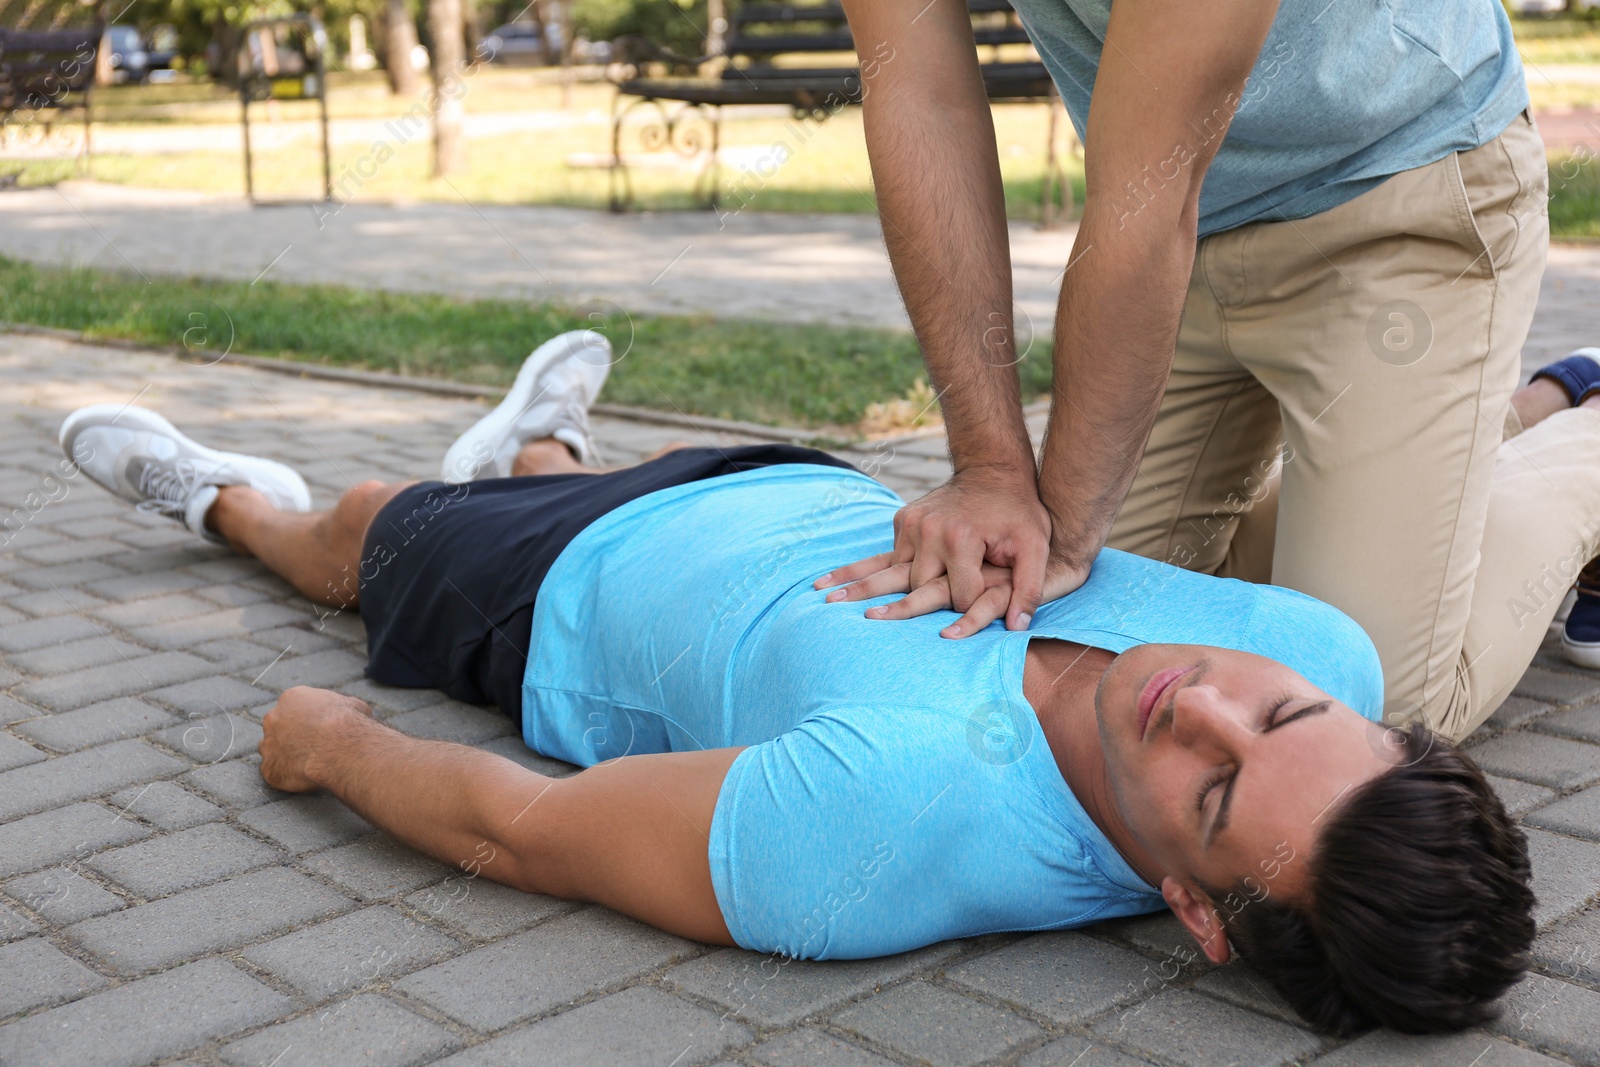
(788, 54)
(44, 76)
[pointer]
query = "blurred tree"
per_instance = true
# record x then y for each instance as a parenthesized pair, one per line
(398, 40)
(448, 56)
(680, 25)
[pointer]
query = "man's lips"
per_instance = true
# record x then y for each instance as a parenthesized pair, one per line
(1153, 691)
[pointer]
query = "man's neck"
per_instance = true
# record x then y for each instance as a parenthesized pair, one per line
(1059, 681)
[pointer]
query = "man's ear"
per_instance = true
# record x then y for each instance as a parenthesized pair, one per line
(1198, 916)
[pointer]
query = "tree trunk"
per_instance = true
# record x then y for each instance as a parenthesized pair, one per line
(470, 16)
(399, 41)
(449, 137)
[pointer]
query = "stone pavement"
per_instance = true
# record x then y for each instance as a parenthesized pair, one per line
(158, 903)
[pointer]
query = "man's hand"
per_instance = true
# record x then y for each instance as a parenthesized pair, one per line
(979, 544)
(301, 725)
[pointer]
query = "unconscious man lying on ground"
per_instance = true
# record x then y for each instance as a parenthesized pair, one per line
(770, 768)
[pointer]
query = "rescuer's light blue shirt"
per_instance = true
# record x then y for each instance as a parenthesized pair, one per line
(898, 789)
(1343, 94)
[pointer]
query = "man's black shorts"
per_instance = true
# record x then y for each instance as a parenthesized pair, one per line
(449, 573)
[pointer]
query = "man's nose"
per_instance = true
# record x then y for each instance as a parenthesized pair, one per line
(1202, 716)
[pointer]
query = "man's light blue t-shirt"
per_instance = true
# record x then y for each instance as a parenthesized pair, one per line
(1344, 94)
(897, 789)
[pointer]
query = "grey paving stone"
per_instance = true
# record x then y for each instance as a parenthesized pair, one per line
(157, 537)
(205, 697)
(1583, 724)
(122, 678)
(1159, 932)
(1558, 688)
(1578, 815)
(37, 633)
(377, 868)
(74, 830)
(1552, 1014)
(295, 640)
(1239, 983)
(1181, 1027)
(937, 1026)
(1516, 711)
(48, 602)
(82, 774)
(485, 910)
(224, 622)
(235, 654)
(365, 1030)
(1074, 1051)
(212, 740)
(128, 613)
(64, 575)
(1385, 1048)
(1069, 977)
(61, 896)
(167, 805)
(1539, 758)
(14, 924)
(542, 969)
(188, 858)
(15, 752)
(149, 584)
(343, 626)
(453, 721)
(352, 951)
(34, 973)
(146, 1020)
(774, 990)
(236, 783)
(635, 1026)
(228, 569)
(306, 823)
(813, 1048)
(13, 710)
(210, 919)
(1569, 951)
(77, 655)
(387, 700)
(230, 596)
(110, 720)
(1519, 797)
(103, 526)
(1566, 874)
(327, 669)
(73, 551)
(167, 558)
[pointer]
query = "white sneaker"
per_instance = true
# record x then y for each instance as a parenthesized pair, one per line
(142, 457)
(550, 398)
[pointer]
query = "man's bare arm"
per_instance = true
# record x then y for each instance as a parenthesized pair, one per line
(1170, 77)
(630, 833)
(936, 169)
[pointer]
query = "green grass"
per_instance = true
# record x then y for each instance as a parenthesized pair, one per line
(821, 377)
(1563, 39)
(1575, 195)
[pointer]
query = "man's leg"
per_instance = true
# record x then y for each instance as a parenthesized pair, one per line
(314, 551)
(1543, 525)
(1390, 330)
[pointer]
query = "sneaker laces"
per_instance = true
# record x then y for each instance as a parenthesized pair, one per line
(168, 488)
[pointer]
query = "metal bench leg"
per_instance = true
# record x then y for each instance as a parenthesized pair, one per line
(715, 166)
(617, 174)
(1054, 174)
